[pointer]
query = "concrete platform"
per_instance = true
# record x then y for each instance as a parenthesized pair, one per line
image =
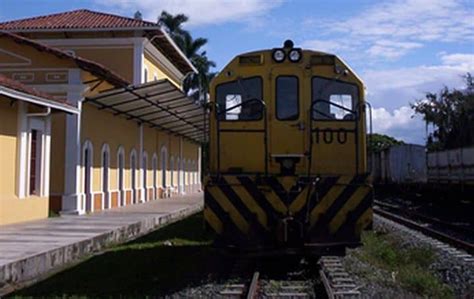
(30, 251)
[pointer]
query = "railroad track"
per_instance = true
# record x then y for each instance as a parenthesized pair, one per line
(422, 227)
(455, 226)
(262, 286)
(336, 283)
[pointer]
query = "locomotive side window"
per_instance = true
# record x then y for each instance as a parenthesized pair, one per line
(287, 98)
(239, 100)
(334, 100)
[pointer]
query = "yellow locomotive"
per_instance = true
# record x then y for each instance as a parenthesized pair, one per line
(287, 153)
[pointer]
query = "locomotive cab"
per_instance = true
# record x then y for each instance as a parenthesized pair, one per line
(287, 153)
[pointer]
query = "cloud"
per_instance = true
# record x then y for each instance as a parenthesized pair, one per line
(329, 46)
(465, 61)
(401, 124)
(391, 49)
(392, 29)
(391, 91)
(200, 12)
(395, 87)
(422, 20)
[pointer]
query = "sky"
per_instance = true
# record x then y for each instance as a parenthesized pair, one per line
(400, 48)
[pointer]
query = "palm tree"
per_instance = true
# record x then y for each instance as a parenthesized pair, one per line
(196, 85)
(173, 25)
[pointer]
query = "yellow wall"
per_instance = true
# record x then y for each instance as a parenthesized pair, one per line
(58, 131)
(12, 208)
(99, 127)
(119, 60)
(38, 59)
(8, 139)
(154, 68)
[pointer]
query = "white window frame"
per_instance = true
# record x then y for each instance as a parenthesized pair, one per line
(145, 175)
(145, 74)
(121, 192)
(178, 169)
(133, 176)
(194, 172)
(171, 171)
(87, 145)
(155, 174)
(106, 202)
(40, 175)
(164, 165)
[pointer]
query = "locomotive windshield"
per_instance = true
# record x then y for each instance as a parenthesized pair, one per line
(287, 98)
(334, 100)
(243, 95)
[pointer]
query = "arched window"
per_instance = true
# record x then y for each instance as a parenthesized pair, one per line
(178, 170)
(194, 173)
(105, 162)
(164, 165)
(183, 168)
(87, 164)
(189, 175)
(121, 175)
(145, 75)
(133, 174)
(172, 172)
(155, 177)
(144, 175)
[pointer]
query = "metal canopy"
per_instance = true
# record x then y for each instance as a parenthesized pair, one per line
(159, 104)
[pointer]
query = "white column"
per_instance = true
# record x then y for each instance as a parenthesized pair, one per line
(199, 183)
(140, 156)
(22, 150)
(47, 155)
(138, 61)
(181, 172)
(73, 201)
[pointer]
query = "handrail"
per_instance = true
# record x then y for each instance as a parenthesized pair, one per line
(242, 104)
(310, 152)
(331, 103)
(265, 140)
(369, 140)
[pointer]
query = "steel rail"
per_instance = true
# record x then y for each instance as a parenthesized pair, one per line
(253, 287)
(468, 247)
(425, 218)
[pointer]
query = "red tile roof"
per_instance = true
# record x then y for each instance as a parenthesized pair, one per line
(86, 20)
(76, 19)
(92, 67)
(15, 85)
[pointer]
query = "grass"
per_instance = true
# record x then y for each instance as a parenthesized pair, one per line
(409, 266)
(150, 266)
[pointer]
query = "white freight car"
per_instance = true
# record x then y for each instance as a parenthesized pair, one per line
(399, 164)
(455, 166)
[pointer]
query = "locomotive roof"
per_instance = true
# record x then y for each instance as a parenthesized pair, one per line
(308, 51)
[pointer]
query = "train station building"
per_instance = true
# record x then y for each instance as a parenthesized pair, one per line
(122, 131)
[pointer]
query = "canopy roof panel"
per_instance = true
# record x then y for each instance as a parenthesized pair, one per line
(160, 104)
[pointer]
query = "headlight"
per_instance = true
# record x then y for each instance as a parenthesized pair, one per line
(295, 55)
(278, 55)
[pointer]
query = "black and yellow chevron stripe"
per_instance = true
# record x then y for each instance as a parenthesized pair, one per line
(242, 207)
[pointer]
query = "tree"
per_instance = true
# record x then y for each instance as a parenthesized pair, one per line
(379, 142)
(196, 85)
(138, 15)
(451, 113)
(173, 24)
